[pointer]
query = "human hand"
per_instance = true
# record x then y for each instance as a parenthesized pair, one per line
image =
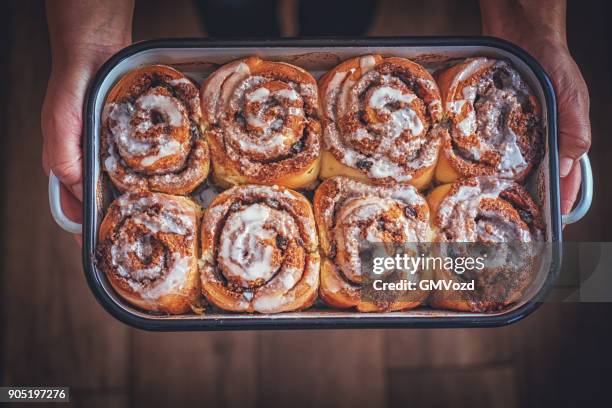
(62, 124)
(83, 34)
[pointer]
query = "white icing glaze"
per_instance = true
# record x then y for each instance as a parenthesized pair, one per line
(180, 81)
(289, 94)
(243, 249)
(258, 246)
(487, 117)
(110, 162)
(474, 65)
(458, 212)
(227, 88)
(259, 95)
(260, 118)
(211, 93)
(135, 138)
(164, 104)
(174, 282)
(357, 214)
(162, 274)
(511, 156)
(467, 126)
(398, 127)
(384, 95)
(165, 150)
(351, 188)
(367, 62)
(455, 106)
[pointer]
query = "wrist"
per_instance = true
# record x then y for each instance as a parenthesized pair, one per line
(529, 24)
(88, 32)
(83, 56)
(533, 41)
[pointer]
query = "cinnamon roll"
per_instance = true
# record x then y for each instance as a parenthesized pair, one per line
(495, 122)
(497, 220)
(380, 119)
(259, 250)
(353, 218)
(147, 247)
(151, 133)
(262, 123)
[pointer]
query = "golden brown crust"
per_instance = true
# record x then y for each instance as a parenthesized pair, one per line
(147, 247)
(151, 132)
(495, 122)
(352, 216)
(262, 122)
(487, 213)
(380, 120)
(260, 250)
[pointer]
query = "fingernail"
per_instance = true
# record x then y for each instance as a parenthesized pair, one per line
(565, 166)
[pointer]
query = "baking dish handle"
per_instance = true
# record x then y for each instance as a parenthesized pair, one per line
(586, 193)
(55, 203)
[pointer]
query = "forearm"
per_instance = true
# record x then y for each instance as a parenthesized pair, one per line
(88, 28)
(525, 21)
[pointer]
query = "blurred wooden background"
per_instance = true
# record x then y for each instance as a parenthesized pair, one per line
(52, 331)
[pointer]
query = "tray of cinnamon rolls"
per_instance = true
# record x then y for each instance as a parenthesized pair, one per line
(251, 184)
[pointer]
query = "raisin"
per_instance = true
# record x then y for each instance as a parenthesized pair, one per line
(156, 117)
(364, 164)
(410, 211)
(526, 216)
(239, 117)
(332, 251)
(194, 131)
(297, 147)
(363, 118)
(499, 79)
(395, 105)
(281, 242)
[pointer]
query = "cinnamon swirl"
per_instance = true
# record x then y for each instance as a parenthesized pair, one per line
(148, 249)
(151, 133)
(492, 216)
(262, 123)
(354, 217)
(380, 116)
(260, 250)
(495, 120)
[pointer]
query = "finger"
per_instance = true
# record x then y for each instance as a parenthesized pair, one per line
(574, 124)
(71, 205)
(62, 124)
(570, 186)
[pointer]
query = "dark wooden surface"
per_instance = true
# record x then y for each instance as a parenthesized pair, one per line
(54, 333)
